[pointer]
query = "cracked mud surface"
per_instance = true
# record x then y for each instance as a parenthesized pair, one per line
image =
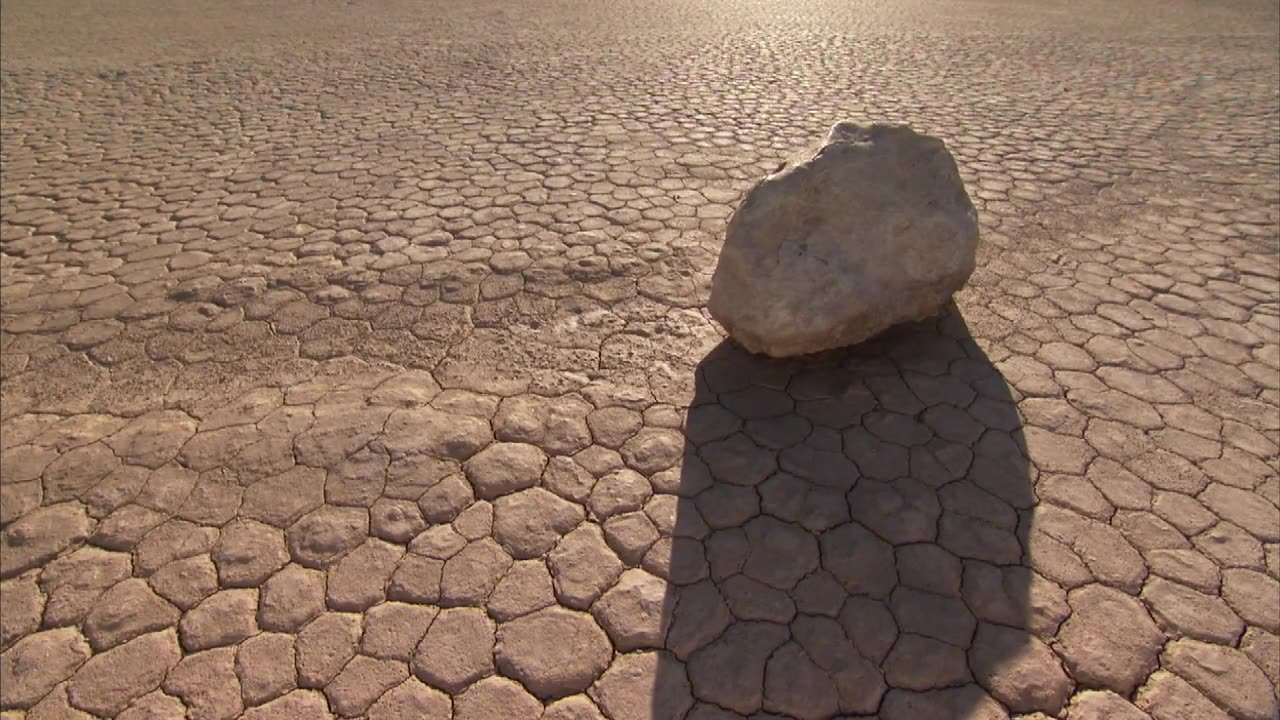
(356, 363)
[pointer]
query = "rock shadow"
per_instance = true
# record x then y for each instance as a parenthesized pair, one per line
(850, 535)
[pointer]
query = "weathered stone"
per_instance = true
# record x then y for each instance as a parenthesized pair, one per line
(1018, 670)
(969, 702)
(325, 534)
(653, 450)
(504, 468)
(297, 704)
(1231, 546)
(207, 684)
(945, 618)
(265, 665)
(444, 500)
(363, 681)
(109, 681)
(679, 560)
(456, 651)
(281, 499)
(1186, 566)
(530, 522)
(568, 479)
(411, 700)
(54, 706)
(582, 566)
(73, 473)
(343, 427)
(1181, 611)
(922, 663)
(750, 599)
(74, 582)
(224, 618)
(863, 563)
(858, 682)
(414, 388)
(700, 616)
(613, 426)
(875, 216)
(630, 535)
(780, 553)
(38, 662)
(496, 697)
(536, 650)
(168, 488)
(290, 599)
(557, 425)
(476, 522)
(730, 670)
(1264, 649)
(397, 521)
(325, 646)
(819, 594)
(40, 536)
(796, 686)
(393, 630)
(470, 576)
(248, 553)
(1109, 641)
(577, 707)
(186, 582)
(619, 492)
(1246, 509)
(153, 439)
(439, 434)
(154, 706)
(641, 686)
(634, 611)
(174, 540)
(1225, 675)
(359, 580)
(416, 579)
(23, 607)
(126, 611)
(1103, 705)
(1168, 697)
(1254, 595)
(525, 588)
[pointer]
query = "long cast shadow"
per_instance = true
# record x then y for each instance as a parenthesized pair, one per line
(849, 540)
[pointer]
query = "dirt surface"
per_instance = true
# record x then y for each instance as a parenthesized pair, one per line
(355, 362)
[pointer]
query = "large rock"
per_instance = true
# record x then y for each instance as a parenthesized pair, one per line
(870, 229)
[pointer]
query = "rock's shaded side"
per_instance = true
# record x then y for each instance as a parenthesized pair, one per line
(871, 229)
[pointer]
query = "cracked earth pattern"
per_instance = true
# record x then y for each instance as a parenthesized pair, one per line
(356, 364)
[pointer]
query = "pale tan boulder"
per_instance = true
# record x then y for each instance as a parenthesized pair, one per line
(870, 229)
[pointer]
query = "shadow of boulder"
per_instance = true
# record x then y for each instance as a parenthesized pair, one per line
(850, 539)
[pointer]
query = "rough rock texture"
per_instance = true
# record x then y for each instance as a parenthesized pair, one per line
(870, 229)
(371, 376)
